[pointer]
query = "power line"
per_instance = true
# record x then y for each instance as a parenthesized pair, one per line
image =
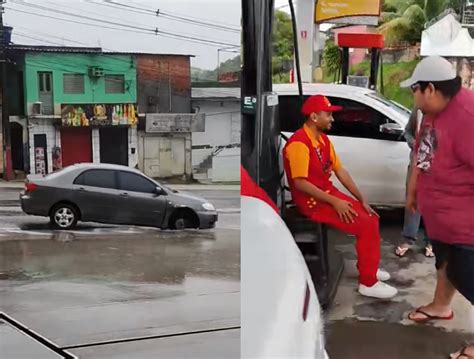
(165, 14)
(218, 42)
(35, 38)
(131, 28)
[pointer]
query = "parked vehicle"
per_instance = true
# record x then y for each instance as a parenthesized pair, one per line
(280, 315)
(367, 135)
(112, 194)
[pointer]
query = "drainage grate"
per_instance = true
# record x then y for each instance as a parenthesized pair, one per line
(24, 342)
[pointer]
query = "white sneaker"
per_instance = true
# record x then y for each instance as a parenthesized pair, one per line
(383, 275)
(378, 290)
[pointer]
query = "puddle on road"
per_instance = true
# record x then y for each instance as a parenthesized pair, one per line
(156, 256)
(352, 339)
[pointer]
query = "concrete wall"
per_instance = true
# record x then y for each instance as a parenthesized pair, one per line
(223, 127)
(222, 122)
(164, 156)
(226, 166)
(167, 78)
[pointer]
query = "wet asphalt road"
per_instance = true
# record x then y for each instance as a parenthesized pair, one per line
(118, 292)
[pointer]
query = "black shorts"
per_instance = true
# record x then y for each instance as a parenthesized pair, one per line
(460, 266)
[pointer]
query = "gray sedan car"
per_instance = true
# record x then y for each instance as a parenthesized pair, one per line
(112, 194)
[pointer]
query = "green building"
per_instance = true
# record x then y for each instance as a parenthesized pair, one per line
(71, 105)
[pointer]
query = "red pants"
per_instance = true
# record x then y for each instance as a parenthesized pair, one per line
(365, 228)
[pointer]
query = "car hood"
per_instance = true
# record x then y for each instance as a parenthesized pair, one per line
(186, 199)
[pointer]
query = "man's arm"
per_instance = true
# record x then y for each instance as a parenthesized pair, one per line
(409, 134)
(345, 178)
(343, 208)
(347, 181)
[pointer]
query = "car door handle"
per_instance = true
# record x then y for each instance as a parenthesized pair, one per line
(124, 194)
(81, 189)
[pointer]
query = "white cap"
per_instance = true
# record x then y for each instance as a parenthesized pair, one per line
(431, 69)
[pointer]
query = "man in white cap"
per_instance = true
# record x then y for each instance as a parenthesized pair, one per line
(442, 183)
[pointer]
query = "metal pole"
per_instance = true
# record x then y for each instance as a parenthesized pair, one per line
(218, 63)
(7, 163)
(297, 52)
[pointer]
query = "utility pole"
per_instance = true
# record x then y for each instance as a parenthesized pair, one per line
(7, 150)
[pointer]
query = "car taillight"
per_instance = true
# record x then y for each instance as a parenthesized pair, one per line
(306, 302)
(30, 187)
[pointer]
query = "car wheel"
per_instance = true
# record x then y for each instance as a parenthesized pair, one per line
(183, 219)
(64, 216)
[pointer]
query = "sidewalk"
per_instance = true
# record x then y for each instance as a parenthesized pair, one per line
(178, 187)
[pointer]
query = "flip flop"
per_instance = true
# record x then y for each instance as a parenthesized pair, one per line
(429, 252)
(401, 251)
(429, 317)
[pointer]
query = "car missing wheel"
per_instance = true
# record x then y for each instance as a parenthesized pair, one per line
(112, 194)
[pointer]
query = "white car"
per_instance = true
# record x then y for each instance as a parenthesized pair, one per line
(280, 313)
(366, 135)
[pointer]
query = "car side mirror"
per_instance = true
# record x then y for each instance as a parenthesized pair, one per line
(391, 129)
(159, 191)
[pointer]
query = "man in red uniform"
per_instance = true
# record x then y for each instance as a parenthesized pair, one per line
(309, 160)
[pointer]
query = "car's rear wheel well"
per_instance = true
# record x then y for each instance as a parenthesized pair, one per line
(56, 205)
(189, 216)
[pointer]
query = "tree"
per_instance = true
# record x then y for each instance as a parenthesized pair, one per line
(332, 58)
(283, 47)
(406, 24)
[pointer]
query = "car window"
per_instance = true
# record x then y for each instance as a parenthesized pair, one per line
(356, 120)
(392, 104)
(97, 178)
(360, 121)
(135, 183)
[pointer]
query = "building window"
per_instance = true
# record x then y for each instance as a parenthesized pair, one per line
(44, 80)
(114, 84)
(73, 83)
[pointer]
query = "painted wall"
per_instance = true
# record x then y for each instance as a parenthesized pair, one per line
(164, 156)
(222, 122)
(223, 128)
(94, 88)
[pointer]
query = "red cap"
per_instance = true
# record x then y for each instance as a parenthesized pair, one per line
(318, 103)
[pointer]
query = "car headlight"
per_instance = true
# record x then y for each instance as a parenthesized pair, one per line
(208, 207)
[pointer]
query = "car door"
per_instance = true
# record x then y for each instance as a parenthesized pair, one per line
(96, 194)
(140, 201)
(377, 161)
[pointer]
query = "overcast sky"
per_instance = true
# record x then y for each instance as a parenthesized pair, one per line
(34, 29)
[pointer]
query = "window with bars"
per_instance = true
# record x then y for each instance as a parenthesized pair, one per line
(73, 83)
(114, 84)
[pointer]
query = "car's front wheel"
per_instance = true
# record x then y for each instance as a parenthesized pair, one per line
(183, 218)
(64, 216)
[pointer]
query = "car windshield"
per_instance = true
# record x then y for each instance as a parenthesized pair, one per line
(392, 104)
